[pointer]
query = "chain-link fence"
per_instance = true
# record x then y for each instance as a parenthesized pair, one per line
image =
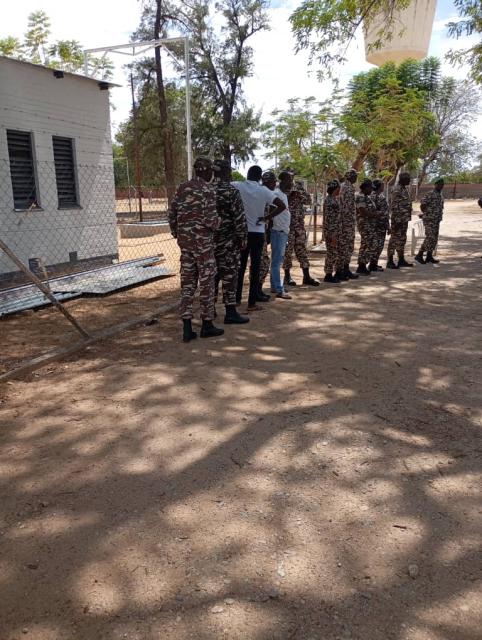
(106, 254)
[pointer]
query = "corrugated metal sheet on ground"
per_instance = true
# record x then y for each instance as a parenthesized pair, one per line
(33, 301)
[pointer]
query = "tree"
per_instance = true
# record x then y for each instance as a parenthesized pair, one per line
(63, 54)
(469, 24)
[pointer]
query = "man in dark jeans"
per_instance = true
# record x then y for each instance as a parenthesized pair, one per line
(255, 199)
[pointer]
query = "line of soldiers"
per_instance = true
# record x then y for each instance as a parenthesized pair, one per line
(374, 217)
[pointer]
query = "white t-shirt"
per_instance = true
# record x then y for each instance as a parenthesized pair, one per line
(255, 197)
(281, 222)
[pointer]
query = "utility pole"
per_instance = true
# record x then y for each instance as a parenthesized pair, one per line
(136, 150)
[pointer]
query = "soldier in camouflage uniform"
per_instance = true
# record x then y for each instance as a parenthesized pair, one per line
(401, 214)
(297, 200)
(366, 218)
(348, 225)
(268, 180)
(332, 230)
(229, 240)
(382, 222)
(432, 206)
(193, 219)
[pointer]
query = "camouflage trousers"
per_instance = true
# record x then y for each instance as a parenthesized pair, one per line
(380, 243)
(194, 268)
(265, 263)
(332, 258)
(347, 242)
(431, 235)
(296, 243)
(398, 239)
(227, 262)
(368, 242)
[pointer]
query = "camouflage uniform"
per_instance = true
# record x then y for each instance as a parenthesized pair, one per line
(382, 222)
(433, 203)
(348, 223)
(193, 219)
(230, 237)
(332, 232)
(265, 260)
(401, 213)
(297, 200)
(367, 228)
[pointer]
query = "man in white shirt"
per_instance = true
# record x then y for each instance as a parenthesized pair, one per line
(255, 198)
(279, 234)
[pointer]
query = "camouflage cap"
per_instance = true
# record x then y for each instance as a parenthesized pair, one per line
(332, 185)
(366, 183)
(351, 172)
(203, 162)
(221, 164)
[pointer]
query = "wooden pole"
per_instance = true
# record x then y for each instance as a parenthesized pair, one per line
(44, 289)
(137, 158)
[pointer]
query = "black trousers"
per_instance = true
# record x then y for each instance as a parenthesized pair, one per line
(253, 251)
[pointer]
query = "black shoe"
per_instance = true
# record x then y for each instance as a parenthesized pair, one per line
(262, 296)
(362, 269)
(331, 279)
(403, 263)
(342, 276)
(233, 317)
(431, 259)
(187, 333)
(208, 330)
(419, 258)
(288, 280)
(308, 280)
(391, 264)
(350, 275)
(373, 267)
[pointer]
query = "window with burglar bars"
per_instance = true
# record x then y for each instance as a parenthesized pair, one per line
(22, 169)
(65, 172)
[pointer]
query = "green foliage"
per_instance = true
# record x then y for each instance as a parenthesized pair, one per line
(470, 24)
(237, 176)
(63, 54)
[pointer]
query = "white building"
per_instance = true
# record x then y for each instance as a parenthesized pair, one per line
(57, 200)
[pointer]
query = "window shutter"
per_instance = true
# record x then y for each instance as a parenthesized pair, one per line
(22, 169)
(65, 171)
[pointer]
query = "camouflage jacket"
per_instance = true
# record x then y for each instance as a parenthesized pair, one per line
(331, 217)
(400, 205)
(363, 201)
(297, 200)
(432, 205)
(193, 217)
(233, 228)
(381, 205)
(347, 201)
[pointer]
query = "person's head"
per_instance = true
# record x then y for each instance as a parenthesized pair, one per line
(333, 188)
(254, 173)
(366, 187)
(269, 180)
(378, 186)
(439, 184)
(223, 172)
(404, 179)
(203, 168)
(285, 181)
(351, 176)
(479, 202)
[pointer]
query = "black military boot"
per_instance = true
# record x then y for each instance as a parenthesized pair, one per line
(233, 317)
(187, 333)
(391, 264)
(373, 267)
(307, 279)
(208, 330)
(431, 259)
(419, 257)
(331, 279)
(342, 276)
(349, 274)
(362, 269)
(402, 262)
(261, 296)
(288, 280)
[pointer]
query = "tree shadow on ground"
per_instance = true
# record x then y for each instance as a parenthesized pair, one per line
(276, 483)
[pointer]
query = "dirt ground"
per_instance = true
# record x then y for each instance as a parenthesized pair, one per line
(314, 475)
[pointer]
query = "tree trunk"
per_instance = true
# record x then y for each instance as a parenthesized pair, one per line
(161, 93)
(361, 155)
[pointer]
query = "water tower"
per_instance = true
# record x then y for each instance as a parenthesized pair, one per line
(415, 22)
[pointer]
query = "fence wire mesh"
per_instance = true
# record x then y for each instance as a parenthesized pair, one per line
(109, 257)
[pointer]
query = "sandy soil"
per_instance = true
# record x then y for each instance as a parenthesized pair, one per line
(314, 475)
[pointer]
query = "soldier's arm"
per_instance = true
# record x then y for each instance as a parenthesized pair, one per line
(211, 218)
(172, 215)
(240, 223)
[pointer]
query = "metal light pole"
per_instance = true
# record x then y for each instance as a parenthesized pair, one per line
(136, 150)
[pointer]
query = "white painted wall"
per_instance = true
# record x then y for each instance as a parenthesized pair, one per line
(32, 99)
(411, 34)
